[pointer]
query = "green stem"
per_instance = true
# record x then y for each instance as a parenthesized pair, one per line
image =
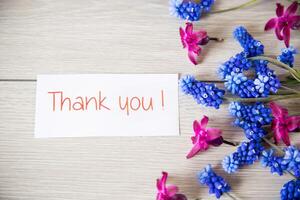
(216, 39)
(279, 64)
(290, 89)
(236, 7)
(284, 92)
(231, 196)
(272, 60)
(264, 99)
(231, 143)
(273, 145)
(298, 1)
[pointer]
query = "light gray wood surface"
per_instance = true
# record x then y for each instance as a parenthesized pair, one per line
(49, 37)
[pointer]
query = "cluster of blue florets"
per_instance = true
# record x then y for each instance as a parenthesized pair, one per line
(189, 9)
(251, 118)
(232, 71)
(291, 160)
(216, 184)
(256, 113)
(247, 153)
(290, 190)
(206, 5)
(278, 164)
(204, 93)
(268, 159)
(251, 46)
(253, 131)
(287, 56)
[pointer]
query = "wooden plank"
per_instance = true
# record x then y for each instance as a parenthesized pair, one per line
(118, 37)
(113, 168)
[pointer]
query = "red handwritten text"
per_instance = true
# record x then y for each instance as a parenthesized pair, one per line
(60, 102)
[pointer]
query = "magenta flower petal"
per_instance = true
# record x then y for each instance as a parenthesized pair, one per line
(172, 190)
(196, 126)
(191, 40)
(291, 10)
(278, 111)
(213, 133)
(181, 32)
(284, 22)
(278, 33)
(216, 142)
(193, 57)
(164, 192)
(270, 24)
(295, 21)
(285, 136)
(293, 122)
(282, 124)
(204, 137)
(204, 122)
(193, 151)
(277, 134)
(160, 183)
(279, 10)
(189, 28)
(286, 36)
(201, 34)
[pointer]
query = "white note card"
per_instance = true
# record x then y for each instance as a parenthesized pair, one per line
(106, 105)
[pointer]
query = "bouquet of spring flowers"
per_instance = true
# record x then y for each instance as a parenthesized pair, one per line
(252, 102)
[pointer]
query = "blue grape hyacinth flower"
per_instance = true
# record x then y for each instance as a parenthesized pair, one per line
(291, 160)
(268, 159)
(237, 83)
(246, 154)
(290, 190)
(206, 5)
(236, 64)
(231, 163)
(256, 113)
(264, 82)
(189, 9)
(287, 56)
(216, 184)
(233, 71)
(186, 10)
(253, 131)
(266, 76)
(251, 118)
(251, 46)
(206, 94)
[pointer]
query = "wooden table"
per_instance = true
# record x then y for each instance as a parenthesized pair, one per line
(128, 36)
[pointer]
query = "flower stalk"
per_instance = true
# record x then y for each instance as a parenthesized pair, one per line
(263, 99)
(248, 3)
(216, 39)
(290, 89)
(229, 194)
(231, 143)
(232, 196)
(292, 71)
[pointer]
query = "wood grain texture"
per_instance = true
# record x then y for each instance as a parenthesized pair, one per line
(115, 37)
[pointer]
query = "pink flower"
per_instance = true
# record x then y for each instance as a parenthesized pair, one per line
(282, 124)
(164, 192)
(284, 21)
(191, 41)
(204, 137)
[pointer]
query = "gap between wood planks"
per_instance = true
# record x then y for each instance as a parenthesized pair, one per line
(34, 80)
